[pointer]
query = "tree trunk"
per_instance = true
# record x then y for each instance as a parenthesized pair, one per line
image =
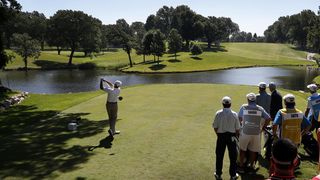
(209, 45)
(175, 56)
(129, 55)
(25, 60)
(187, 44)
(42, 45)
(71, 56)
(154, 58)
(85, 54)
(59, 50)
(144, 58)
(158, 60)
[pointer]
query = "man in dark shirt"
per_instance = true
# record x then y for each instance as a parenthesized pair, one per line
(276, 100)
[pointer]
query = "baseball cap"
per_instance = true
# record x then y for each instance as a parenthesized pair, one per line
(289, 98)
(262, 85)
(312, 87)
(118, 83)
(251, 97)
(226, 100)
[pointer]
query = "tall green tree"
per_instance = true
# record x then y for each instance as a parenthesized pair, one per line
(73, 28)
(26, 47)
(8, 8)
(175, 42)
(138, 33)
(164, 19)
(158, 45)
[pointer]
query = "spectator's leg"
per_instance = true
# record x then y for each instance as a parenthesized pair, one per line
(232, 149)
(220, 148)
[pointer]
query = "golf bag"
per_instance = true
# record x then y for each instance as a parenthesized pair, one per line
(310, 145)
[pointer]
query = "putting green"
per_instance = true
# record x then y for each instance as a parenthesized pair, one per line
(166, 133)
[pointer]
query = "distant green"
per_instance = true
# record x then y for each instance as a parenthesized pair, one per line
(230, 55)
(166, 133)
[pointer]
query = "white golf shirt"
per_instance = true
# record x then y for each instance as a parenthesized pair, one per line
(113, 94)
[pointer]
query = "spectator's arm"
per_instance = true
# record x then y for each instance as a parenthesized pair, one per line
(305, 126)
(274, 130)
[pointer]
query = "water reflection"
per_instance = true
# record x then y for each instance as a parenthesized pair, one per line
(62, 81)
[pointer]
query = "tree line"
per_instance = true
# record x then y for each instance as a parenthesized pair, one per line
(302, 30)
(78, 31)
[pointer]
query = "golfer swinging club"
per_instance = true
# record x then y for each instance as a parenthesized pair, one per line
(113, 91)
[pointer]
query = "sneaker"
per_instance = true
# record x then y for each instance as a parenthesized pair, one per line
(117, 132)
(235, 177)
(217, 176)
(110, 132)
(240, 170)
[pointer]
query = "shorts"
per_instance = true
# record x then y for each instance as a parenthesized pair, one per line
(250, 142)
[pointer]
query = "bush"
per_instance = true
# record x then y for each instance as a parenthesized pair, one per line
(195, 49)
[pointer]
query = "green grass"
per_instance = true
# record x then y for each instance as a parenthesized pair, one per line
(51, 60)
(317, 80)
(166, 133)
(229, 56)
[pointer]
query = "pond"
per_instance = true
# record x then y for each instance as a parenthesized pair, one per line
(65, 81)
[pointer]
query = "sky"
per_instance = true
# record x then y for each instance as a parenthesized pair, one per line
(251, 15)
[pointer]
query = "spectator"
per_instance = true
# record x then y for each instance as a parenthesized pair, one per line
(253, 119)
(284, 159)
(226, 125)
(293, 124)
(263, 98)
(276, 100)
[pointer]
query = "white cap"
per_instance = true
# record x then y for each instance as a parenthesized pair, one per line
(118, 83)
(312, 87)
(272, 84)
(251, 97)
(289, 98)
(226, 100)
(262, 85)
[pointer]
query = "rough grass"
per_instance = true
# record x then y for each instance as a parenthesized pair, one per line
(166, 133)
(228, 56)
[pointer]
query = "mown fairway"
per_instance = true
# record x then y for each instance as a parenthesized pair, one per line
(228, 56)
(166, 133)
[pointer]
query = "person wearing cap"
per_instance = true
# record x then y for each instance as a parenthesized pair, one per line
(313, 107)
(253, 119)
(113, 91)
(276, 100)
(291, 121)
(263, 98)
(284, 160)
(226, 125)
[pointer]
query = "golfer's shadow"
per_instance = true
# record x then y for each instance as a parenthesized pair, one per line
(104, 143)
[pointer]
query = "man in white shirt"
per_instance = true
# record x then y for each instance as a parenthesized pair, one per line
(113, 91)
(227, 126)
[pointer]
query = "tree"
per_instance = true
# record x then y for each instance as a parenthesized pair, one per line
(73, 28)
(164, 19)
(8, 9)
(175, 42)
(210, 30)
(158, 46)
(195, 49)
(151, 22)
(138, 31)
(26, 47)
(146, 42)
(92, 41)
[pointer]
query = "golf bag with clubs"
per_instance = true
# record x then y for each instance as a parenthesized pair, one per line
(268, 142)
(310, 145)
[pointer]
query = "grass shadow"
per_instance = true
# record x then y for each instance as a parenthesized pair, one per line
(47, 64)
(34, 143)
(157, 67)
(215, 49)
(196, 58)
(174, 60)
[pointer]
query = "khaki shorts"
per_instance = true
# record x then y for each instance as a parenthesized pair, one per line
(250, 142)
